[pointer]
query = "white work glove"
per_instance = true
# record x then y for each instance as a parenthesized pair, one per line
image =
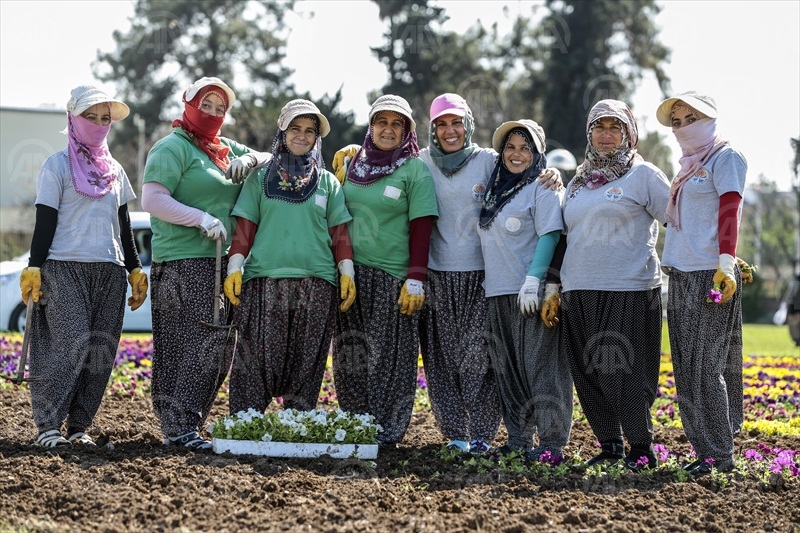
(724, 278)
(528, 297)
(239, 168)
(213, 228)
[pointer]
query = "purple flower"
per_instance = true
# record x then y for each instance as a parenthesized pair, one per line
(596, 179)
(753, 455)
(642, 462)
(661, 451)
(714, 296)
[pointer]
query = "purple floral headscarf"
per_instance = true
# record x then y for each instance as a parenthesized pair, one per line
(603, 166)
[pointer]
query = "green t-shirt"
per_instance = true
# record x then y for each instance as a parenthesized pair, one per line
(178, 164)
(381, 213)
(292, 240)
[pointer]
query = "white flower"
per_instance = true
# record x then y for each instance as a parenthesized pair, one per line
(229, 423)
(340, 435)
(267, 437)
(303, 430)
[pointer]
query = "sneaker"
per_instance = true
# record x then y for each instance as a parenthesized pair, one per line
(52, 439)
(613, 451)
(479, 446)
(547, 454)
(688, 467)
(189, 440)
(506, 450)
(460, 445)
(80, 437)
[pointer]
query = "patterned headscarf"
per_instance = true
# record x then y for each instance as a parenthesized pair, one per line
(92, 168)
(294, 178)
(504, 184)
(603, 166)
(371, 163)
(203, 128)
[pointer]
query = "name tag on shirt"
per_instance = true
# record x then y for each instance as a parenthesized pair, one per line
(391, 192)
(322, 201)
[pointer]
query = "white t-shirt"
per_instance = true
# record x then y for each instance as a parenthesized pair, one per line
(88, 229)
(455, 245)
(696, 245)
(612, 232)
(509, 243)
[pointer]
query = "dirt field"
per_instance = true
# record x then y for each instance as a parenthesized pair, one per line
(130, 482)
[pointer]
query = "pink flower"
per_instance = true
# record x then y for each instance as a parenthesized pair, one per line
(714, 295)
(596, 179)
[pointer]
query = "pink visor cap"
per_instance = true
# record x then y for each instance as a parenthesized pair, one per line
(449, 104)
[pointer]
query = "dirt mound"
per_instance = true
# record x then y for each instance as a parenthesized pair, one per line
(130, 482)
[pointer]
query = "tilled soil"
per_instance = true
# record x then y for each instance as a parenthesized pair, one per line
(131, 482)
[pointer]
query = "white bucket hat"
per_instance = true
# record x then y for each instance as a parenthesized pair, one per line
(298, 107)
(705, 104)
(194, 88)
(85, 96)
(535, 130)
(392, 102)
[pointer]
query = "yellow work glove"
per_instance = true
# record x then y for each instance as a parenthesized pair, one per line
(233, 282)
(746, 270)
(551, 303)
(138, 281)
(412, 296)
(30, 282)
(347, 284)
(340, 160)
(723, 277)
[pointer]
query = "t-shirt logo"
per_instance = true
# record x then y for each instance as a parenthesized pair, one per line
(613, 194)
(478, 190)
(513, 224)
(700, 176)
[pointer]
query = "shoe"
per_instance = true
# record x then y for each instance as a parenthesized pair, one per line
(688, 467)
(640, 457)
(79, 437)
(189, 440)
(613, 451)
(705, 468)
(479, 446)
(506, 451)
(460, 445)
(52, 439)
(545, 454)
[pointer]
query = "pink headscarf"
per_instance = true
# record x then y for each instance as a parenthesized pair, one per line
(698, 142)
(92, 168)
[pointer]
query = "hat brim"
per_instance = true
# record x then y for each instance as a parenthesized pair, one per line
(500, 134)
(664, 111)
(452, 111)
(119, 109)
(393, 109)
(324, 125)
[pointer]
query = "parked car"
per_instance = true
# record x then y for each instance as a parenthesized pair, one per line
(13, 310)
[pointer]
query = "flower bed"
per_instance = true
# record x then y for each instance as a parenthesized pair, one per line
(293, 433)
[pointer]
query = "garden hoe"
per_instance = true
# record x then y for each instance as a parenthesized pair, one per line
(217, 286)
(23, 356)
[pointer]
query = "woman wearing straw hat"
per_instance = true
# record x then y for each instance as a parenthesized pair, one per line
(82, 245)
(192, 179)
(519, 227)
(611, 304)
(291, 228)
(390, 194)
(704, 308)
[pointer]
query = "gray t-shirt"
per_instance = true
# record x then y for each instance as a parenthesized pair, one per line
(612, 232)
(696, 245)
(509, 243)
(455, 245)
(88, 229)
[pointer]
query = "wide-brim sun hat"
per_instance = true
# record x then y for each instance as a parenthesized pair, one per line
(449, 104)
(535, 130)
(703, 103)
(295, 108)
(392, 102)
(85, 96)
(205, 81)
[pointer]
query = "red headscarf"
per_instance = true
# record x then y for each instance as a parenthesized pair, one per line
(204, 128)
